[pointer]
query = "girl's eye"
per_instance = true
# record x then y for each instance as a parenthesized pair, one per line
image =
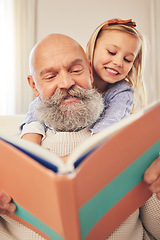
(127, 60)
(112, 53)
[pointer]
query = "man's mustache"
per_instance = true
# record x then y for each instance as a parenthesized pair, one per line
(62, 94)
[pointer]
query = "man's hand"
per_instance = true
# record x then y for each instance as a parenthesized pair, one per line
(6, 206)
(65, 158)
(152, 177)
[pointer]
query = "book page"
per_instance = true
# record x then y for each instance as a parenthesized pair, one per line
(36, 152)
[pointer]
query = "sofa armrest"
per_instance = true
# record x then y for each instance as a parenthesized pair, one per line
(9, 125)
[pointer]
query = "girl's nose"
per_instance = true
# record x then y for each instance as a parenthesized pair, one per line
(118, 60)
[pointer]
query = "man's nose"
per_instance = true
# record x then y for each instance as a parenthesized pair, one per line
(66, 81)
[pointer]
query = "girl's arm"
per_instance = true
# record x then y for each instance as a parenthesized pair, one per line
(118, 102)
(33, 137)
(31, 129)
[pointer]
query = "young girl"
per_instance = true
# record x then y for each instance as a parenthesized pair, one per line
(115, 52)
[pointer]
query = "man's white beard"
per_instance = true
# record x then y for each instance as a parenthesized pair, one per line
(71, 116)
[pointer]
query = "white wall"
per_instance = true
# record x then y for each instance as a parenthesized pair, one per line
(78, 19)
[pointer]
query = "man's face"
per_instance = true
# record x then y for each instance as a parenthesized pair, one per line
(60, 66)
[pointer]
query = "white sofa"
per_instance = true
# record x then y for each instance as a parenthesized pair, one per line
(10, 124)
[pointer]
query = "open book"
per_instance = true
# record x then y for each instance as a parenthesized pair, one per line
(90, 195)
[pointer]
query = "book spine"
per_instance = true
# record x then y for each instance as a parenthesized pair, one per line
(68, 208)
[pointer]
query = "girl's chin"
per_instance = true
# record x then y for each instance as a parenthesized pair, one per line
(111, 81)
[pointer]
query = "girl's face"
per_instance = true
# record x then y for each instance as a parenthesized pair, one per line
(114, 55)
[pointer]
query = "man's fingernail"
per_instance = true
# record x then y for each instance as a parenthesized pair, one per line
(6, 198)
(11, 208)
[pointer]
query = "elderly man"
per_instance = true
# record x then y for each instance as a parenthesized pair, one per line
(61, 78)
(61, 74)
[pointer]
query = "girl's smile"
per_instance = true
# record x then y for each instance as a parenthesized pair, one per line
(111, 71)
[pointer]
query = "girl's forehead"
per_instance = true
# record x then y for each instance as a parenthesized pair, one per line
(116, 35)
(125, 41)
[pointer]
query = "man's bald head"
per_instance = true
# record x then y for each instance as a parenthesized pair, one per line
(52, 42)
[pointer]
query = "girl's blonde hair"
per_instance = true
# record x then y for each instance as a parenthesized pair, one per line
(135, 75)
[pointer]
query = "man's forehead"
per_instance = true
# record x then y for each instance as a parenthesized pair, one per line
(57, 51)
(63, 54)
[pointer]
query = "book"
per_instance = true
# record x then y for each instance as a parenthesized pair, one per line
(91, 194)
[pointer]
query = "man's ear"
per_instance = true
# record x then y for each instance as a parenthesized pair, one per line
(91, 71)
(32, 85)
